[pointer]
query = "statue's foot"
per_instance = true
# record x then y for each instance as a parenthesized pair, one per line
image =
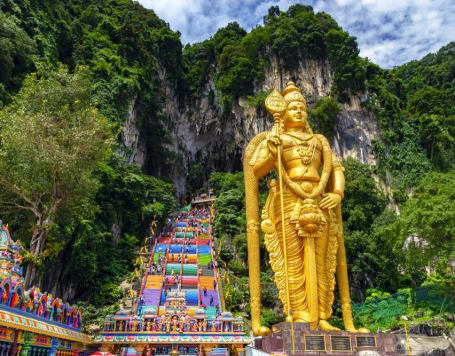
(352, 329)
(261, 331)
(325, 326)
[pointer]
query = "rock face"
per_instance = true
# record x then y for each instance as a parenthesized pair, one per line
(354, 132)
(421, 345)
(134, 146)
(203, 133)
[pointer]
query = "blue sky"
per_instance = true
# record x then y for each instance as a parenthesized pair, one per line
(389, 32)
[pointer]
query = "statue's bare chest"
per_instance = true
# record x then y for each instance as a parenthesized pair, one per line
(304, 148)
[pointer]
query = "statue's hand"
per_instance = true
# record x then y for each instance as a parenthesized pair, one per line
(330, 201)
(273, 141)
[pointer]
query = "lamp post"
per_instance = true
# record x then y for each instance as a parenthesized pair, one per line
(404, 318)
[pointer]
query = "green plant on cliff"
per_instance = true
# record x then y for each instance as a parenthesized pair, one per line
(241, 57)
(414, 104)
(16, 57)
(122, 44)
(324, 115)
(426, 226)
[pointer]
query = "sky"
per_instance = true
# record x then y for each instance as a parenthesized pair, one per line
(389, 32)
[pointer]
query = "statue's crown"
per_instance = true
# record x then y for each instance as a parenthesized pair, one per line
(292, 93)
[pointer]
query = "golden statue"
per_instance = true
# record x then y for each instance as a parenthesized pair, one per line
(308, 249)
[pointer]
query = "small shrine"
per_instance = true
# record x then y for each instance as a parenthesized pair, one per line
(32, 322)
(175, 301)
(10, 258)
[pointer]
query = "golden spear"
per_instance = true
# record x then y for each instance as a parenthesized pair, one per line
(276, 105)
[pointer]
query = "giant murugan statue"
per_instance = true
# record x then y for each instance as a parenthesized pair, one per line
(301, 219)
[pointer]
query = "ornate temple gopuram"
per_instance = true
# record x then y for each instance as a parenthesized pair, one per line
(33, 323)
(179, 309)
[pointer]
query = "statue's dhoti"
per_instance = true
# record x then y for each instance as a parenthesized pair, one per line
(311, 245)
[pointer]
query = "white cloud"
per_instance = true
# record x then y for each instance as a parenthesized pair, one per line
(389, 32)
(393, 32)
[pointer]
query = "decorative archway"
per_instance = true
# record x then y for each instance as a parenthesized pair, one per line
(42, 306)
(5, 290)
(16, 296)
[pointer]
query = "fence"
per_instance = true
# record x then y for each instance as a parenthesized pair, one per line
(385, 312)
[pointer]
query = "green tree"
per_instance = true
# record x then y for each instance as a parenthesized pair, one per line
(100, 245)
(16, 56)
(426, 228)
(229, 35)
(438, 137)
(428, 100)
(196, 178)
(324, 115)
(363, 200)
(367, 238)
(52, 139)
(236, 73)
(229, 205)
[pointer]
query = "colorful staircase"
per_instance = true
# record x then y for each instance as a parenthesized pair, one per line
(187, 250)
(151, 294)
(154, 282)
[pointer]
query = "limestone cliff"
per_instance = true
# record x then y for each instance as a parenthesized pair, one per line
(133, 147)
(203, 133)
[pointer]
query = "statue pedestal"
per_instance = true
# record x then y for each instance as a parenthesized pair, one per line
(337, 343)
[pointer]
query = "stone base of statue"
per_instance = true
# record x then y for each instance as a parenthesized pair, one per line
(337, 343)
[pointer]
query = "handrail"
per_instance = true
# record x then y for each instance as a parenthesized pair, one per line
(163, 273)
(144, 279)
(181, 260)
(197, 274)
(252, 351)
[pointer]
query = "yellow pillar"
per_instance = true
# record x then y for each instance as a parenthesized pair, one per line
(238, 350)
(139, 347)
(207, 349)
(107, 348)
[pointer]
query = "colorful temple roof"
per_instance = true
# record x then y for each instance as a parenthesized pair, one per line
(32, 310)
(166, 338)
(10, 318)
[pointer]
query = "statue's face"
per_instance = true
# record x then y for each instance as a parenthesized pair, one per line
(296, 115)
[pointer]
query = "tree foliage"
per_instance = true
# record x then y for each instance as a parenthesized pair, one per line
(103, 241)
(241, 58)
(367, 225)
(324, 115)
(415, 105)
(52, 140)
(426, 227)
(16, 56)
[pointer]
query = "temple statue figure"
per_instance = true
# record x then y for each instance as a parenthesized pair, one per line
(302, 223)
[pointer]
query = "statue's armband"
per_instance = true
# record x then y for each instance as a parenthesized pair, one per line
(336, 164)
(261, 160)
(338, 176)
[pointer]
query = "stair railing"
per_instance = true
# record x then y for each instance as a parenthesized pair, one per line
(144, 279)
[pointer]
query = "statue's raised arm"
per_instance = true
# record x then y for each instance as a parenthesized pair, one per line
(301, 219)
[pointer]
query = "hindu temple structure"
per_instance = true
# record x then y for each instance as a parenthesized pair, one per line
(179, 309)
(33, 323)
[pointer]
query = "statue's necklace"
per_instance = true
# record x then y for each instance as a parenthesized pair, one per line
(305, 152)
